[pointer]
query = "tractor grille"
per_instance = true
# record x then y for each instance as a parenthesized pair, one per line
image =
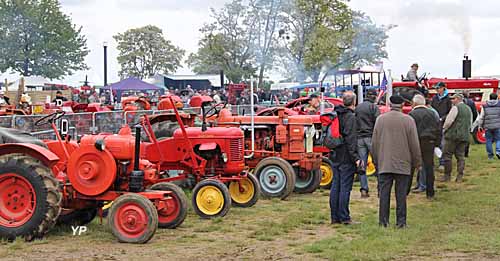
(236, 150)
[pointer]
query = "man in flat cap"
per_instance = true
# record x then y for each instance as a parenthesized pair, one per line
(412, 73)
(441, 102)
(313, 105)
(456, 135)
(396, 152)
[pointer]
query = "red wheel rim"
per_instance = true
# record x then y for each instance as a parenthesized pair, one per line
(481, 136)
(18, 200)
(131, 220)
(171, 211)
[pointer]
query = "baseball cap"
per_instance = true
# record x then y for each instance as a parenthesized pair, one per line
(457, 95)
(439, 85)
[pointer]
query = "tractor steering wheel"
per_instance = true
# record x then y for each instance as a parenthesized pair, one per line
(49, 119)
(422, 77)
(215, 110)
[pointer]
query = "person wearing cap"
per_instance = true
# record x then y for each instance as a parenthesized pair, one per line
(366, 115)
(4, 100)
(345, 161)
(489, 120)
(412, 73)
(427, 122)
(456, 134)
(313, 104)
(396, 152)
(442, 104)
(59, 96)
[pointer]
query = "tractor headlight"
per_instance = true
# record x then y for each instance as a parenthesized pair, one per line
(100, 145)
(224, 157)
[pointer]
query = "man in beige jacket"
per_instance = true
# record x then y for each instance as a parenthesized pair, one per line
(396, 151)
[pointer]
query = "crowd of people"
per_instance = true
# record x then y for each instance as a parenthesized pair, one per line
(404, 146)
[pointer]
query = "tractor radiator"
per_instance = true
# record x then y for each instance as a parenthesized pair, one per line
(236, 148)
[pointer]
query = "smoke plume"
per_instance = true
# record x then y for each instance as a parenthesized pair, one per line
(453, 12)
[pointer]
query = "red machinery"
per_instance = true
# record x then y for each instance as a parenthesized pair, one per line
(166, 104)
(234, 91)
(134, 103)
(41, 182)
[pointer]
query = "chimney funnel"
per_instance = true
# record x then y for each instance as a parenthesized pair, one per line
(466, 67)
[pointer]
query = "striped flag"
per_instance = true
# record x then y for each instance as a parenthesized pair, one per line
(383, 88)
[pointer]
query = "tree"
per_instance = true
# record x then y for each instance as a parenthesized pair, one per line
(145, 52)
(315, 34)
(38, 39)
(226, 43)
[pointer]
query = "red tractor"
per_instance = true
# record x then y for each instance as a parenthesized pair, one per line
(279, 149)
(68, 181)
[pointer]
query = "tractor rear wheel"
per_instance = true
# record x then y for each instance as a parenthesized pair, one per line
(307, 181)
(133, 219)
(77, 217)
(244, 192)
(211, 199)
(30, 201)
(177, 209)
(276, 177)
(326, 173)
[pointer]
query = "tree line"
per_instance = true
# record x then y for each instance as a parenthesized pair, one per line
(301, 39)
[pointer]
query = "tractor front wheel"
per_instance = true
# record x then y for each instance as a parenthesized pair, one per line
(211, 198)
(133, 219)
(244, 192)
(479, 136)
(29, 198)
(276, 177)
(326, 173)
(176, 211)
(307, 181)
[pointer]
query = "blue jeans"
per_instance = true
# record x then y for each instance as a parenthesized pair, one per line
(421, 179)
(492, 136)
(340, 193)
(364, 148)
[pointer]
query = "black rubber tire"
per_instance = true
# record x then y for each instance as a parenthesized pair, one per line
(47, 196)
(326, 160)
(474, 136)
(313, 182)
(78, 217)
(287, 169)
(182, 202)
(150, 211)
(255, 196)
(225, 194)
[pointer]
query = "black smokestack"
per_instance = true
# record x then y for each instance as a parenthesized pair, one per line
(222, 78)
(466, 67)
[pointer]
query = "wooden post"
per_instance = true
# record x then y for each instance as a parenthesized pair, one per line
(5, 84)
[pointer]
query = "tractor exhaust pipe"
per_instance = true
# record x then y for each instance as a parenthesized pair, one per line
(252, 120)
(136, 183)
(466, 67)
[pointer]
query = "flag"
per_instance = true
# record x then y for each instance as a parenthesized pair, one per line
(383, 88)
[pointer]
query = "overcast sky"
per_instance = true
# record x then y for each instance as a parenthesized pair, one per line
(434, 33)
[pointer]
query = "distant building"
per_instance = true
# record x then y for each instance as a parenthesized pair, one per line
(197, 82)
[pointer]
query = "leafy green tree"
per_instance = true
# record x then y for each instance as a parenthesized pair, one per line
(227, 43)
(145, 52)
(37, 38)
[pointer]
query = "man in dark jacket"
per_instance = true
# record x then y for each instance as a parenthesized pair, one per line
(366, 115)
(428, 134)
(469, 102)
(442, 104)
(345, 161)
(396, 152)
(490, 121)
(456, 134)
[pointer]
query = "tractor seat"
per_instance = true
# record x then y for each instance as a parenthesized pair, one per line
(16, 136)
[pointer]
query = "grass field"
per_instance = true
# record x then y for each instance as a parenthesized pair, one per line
(462, 223)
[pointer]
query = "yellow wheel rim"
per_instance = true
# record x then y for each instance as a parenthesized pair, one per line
(326, 174)
(242, 194)
(210, 200)
(370, 167)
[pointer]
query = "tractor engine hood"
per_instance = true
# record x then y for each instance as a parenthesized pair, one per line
(195, 132)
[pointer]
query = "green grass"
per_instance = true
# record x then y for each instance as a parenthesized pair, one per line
(464, 218)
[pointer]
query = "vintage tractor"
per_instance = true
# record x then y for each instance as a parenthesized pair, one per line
(279, 149)
(43, 182)
(134, 103)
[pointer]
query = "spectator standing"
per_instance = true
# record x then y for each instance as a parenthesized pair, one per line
(366, 115)
(442, 104)
(345, 161)
(472, 106)
(4, 100)
(428, 132)
(489, 120)
(456, 134)
(396, 151)
(216, 97)
(59, 96)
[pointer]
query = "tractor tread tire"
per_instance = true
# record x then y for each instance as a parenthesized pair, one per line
(48, 188)
(316, 180)
(287, 170)
(183, 203)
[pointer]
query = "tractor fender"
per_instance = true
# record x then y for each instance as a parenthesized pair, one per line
(42, 154)
(208, 146)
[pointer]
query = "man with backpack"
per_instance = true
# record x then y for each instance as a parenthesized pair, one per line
(366, 115)
(344, 156)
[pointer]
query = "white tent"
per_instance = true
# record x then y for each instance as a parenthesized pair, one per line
(31, 83)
